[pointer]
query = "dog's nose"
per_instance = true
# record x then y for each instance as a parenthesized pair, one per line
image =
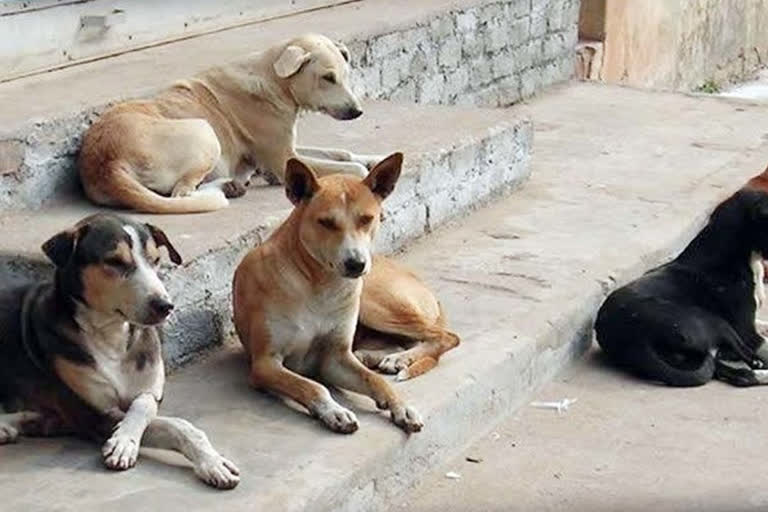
(160, 306)
(354, 267)
(352, 113)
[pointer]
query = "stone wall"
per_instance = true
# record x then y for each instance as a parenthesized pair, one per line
(683, 44)
(491, 54)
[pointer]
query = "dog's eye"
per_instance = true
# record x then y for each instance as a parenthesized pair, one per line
(117, 264)
(155, 262)
(328, 223)
(365, 220)
(330, 78)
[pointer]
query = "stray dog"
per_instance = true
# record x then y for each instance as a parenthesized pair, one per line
(397, 311)
(694, 318)
(82, 356)
(222, 124)
(297, 296)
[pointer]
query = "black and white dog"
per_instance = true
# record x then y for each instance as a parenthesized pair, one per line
(82, 355)
(695, 318)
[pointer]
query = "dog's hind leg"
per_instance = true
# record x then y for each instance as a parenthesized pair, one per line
(739, 373)
(122, 449)
(404, 320)
(340, 155)
(181, 436)
(18, 423)
(324, 167)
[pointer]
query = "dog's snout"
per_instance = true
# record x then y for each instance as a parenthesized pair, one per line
(352, 113)
(160, 307)
(349, 113)
(354, 267)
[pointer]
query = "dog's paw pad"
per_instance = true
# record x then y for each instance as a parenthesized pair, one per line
(407, 418)
(338, 419)
(8, 434)
(120, 452)
(218, 472)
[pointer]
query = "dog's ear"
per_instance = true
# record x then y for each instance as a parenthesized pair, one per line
(161, 240)
(343, 49)
(300, 181)
(291, 61)
(60, 247)
(384, 175)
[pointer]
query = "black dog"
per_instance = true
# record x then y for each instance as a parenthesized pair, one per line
(694, 318)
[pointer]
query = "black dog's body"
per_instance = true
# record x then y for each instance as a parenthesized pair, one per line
(694, 318)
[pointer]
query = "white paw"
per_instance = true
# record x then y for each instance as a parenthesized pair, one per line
(182, 190)
(8, 434)
(407, 418)
(394, 363)
(337, 418)
(120, 452)
(218, 472)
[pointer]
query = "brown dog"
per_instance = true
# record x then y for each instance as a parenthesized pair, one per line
(224, 124)
(398, 311)
(297, 296)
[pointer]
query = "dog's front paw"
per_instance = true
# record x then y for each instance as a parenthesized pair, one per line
(336, 417)
(407, 418)
(8, 434)
(218, 472)
(120, 452)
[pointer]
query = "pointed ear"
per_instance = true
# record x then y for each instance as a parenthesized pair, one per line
(161, 240)
(343, 49)
(60, 247)
(300, 181)
(290, 61)
(383, 177)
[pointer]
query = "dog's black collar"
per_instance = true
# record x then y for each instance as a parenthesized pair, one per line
(31, 348)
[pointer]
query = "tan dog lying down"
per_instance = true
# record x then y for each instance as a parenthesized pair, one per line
(224, 124)
(398, 311)
(297, 296)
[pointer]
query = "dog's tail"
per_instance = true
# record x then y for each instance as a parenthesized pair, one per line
(694, 371)
(127, 191)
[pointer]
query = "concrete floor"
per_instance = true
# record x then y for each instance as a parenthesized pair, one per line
(625, 445)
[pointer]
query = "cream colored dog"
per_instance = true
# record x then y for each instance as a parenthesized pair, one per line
(219, 127)
(297, 296)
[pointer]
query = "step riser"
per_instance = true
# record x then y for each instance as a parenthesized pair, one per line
(437, 187)
(492, 54)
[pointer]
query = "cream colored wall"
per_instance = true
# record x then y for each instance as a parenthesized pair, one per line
(680, 44)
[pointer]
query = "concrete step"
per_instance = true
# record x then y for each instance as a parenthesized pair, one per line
(622, 179)
(484, 52)
(456, 158)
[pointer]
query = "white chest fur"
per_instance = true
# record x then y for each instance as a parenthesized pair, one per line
(122, 370)
(300, 334)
